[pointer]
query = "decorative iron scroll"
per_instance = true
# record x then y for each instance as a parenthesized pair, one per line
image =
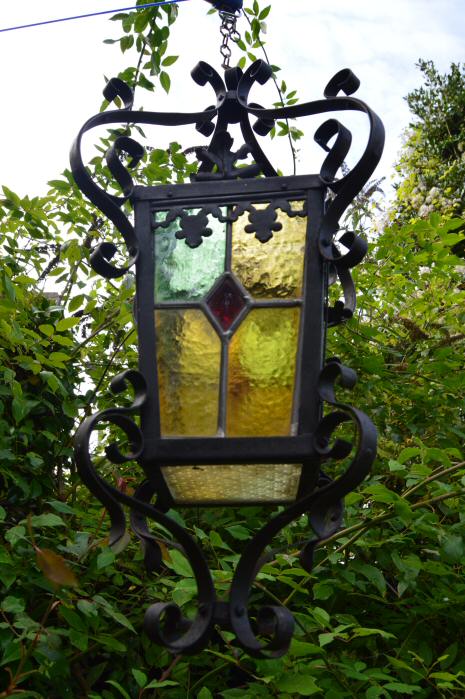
(164, 622)
(218, 160)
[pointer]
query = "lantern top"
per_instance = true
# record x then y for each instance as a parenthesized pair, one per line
(219, 161)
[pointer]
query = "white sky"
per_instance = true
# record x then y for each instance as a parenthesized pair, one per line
(52, 76)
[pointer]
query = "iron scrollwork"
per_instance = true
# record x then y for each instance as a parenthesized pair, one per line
(326, 498)
(164, 622)
(218, 161)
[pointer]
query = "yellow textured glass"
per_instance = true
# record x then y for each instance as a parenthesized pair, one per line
(273, 269)
(233, 484)
(262, 366)
(188, 360)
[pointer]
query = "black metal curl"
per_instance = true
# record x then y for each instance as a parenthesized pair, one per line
(164, 623)
(111, 205)
(351, 184)
(277, 621)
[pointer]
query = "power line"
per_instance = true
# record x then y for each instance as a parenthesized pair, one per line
(92, 14)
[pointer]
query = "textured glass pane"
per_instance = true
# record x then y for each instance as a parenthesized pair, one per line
(184, 273)
(262, 365)
(273, 269)
(233, 484)
(188, 359)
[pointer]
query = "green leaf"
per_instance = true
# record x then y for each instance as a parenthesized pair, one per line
(140, 677)
(9, 287)
(264, 13)
(62, 507)
(117, 686)
(238, 532)
(408, 453)
(452, 548)
(111, 612)
(47, 520)
(180, 564)
(301, 649)
(87, 608)
(165, 81)
(13, 605)
(402, 688)
(301, 685)
(159, 685)
(47, 330)
(105, 558)
(321, 616)
(204, 694)
(21, 407)
(78, 639)
(76, 302)
(15, 534)
(169, 60)
(67, 323)
(362, 631)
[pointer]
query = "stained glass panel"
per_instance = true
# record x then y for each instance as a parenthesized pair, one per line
(273, 269)
(188, 360)
(266, 483)
(183, 273)
(262, 366)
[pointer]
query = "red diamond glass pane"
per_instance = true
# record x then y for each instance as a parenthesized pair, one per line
(226, 302)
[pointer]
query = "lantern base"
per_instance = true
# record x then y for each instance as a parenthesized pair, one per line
(268, 632)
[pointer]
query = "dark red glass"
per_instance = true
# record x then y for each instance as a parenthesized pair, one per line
(226, 302)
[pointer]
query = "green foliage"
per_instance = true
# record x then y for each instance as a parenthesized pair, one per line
(382, 614)
(432, 163)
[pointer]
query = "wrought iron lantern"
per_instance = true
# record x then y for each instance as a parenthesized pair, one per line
(232, 277)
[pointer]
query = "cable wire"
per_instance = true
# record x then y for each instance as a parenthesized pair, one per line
(92, 14)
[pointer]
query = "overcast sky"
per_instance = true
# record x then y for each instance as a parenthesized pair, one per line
(52, 76)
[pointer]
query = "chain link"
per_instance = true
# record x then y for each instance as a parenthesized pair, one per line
(229, 33)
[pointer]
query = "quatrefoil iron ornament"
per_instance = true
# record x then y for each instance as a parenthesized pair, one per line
(232, 275)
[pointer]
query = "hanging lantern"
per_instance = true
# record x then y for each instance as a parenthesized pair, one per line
(232, 277)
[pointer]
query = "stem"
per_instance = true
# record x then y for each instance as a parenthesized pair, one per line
(281, 99)
(433, 477)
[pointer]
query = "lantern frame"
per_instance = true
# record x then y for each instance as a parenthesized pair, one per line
(220, 183)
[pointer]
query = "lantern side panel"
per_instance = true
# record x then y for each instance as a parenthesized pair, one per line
(266, 483)
(188, 361)
(262, 369)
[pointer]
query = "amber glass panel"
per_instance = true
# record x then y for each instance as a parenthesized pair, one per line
(188, 360)
(183, 273)
(262, 366)
(233, 484)
(273, 269)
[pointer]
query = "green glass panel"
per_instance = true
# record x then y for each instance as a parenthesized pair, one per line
(183, 273)
(233, 484)
(188, 360)
(262, 367)
(273, 269)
